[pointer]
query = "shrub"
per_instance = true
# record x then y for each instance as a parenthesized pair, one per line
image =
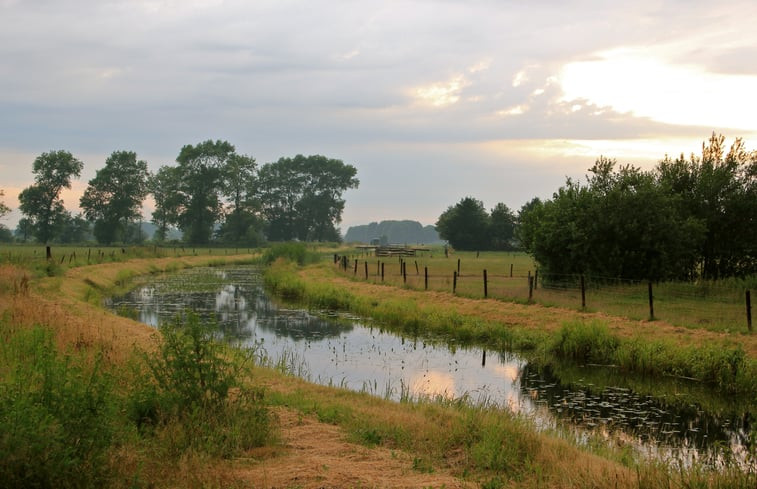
(194, 397)
(56, 416)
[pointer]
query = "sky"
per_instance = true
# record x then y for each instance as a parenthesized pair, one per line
(431, 101)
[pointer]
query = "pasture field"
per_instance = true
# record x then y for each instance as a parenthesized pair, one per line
(52, 327)
(715, 306)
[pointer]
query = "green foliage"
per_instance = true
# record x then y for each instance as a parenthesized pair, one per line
(467, 226)
(295, 252)
(40, 202)
(585, 342)
(685, 219)
(114, 197)
(56, 416)
(301, 197)
(194, 396)
(4, 209)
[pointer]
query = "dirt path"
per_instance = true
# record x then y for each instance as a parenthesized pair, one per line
(317, 455)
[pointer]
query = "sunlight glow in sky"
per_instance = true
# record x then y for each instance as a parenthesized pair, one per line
(499, 101)
(643, 84)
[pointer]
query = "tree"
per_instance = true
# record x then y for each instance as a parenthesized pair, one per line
(5, 234)
(200, 177)
(241, 223)
(4, 209)
(74, 229)
(24, 230)
(502, 227)
(164, 187)
(114, 197)
(41, 202)
(719, 190)
(301, 197)
(465, 225)
(620, 224)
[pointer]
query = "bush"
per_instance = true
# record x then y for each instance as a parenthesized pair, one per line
(56, 417)
(193, 395)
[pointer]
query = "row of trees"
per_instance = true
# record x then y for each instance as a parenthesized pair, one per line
(687, 218)
(212, 193)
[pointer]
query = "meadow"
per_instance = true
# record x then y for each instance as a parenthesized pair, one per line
(715, 306)
(254, 424)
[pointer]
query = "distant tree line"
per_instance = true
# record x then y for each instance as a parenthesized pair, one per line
(212, 194)
(687, 218)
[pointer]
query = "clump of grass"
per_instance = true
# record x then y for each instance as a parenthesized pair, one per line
(585, 342)
(296, 252)
(729, 369)
(56, 415)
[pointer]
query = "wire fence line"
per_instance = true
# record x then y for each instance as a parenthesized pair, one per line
(717, 306)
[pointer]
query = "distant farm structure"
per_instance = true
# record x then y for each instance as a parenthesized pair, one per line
(392, 249)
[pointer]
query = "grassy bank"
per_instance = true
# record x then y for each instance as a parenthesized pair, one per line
(158, 430)
(658, 350)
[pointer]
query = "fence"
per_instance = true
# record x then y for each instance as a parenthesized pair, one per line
(717, 306)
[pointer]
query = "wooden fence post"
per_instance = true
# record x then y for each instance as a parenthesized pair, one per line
(48, 253)
(355, 273)
(651, 302)
(458, 266)
(382, 271)
(583, 292)
(536, 279)
(454, 281)
(749, 311)
(530, 287)
(404, 272)
(511, 270)
(366, 269)
(425, 277)
(486, 286)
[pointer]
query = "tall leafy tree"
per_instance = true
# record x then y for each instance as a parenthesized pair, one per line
(164, 187)
(41, 202)
(200, 180)
(465, 225)
(239, 187)
(719, 189)
(301, 197)
(502, 227)
(114, 197)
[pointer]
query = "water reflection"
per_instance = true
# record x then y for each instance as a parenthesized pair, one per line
(345, 352)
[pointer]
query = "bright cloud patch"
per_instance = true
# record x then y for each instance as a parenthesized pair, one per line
(638, 82)
(442, 94)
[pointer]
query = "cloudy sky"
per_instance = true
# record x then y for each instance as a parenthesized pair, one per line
(431, 101)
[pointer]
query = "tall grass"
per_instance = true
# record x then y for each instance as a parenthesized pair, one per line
(591, 342)
(57, 415)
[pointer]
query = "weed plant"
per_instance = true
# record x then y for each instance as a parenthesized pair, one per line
(57, 415)
(194, 394)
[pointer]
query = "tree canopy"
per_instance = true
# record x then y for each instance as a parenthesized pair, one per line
(467, 226)
(684, 219)
(301, 197)
(41, 201)
(114, 197)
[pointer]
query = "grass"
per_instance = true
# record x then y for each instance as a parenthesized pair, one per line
(159, 437)
(715, 306)
(723, 364)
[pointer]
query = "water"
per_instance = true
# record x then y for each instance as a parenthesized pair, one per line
(345, 351)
